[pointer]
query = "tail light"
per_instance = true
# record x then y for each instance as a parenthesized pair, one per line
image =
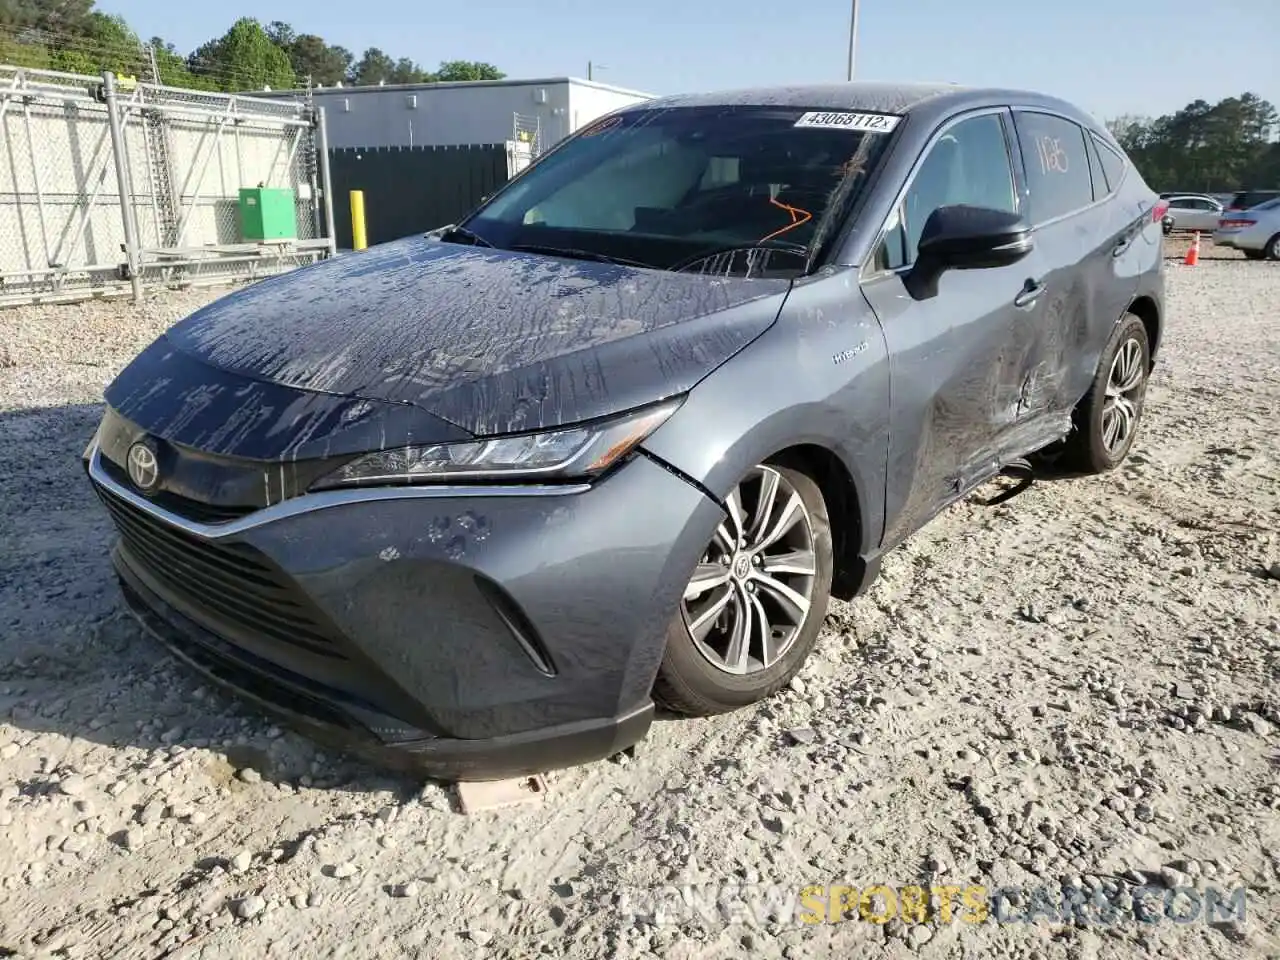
(1159, 210)
(1236, 222)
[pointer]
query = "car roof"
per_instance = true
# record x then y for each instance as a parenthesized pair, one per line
(873, 97)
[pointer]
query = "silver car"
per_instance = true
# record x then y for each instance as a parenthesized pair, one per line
(1193, 212)
(1254, 232)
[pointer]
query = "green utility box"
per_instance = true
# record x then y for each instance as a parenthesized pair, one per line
(267, 213)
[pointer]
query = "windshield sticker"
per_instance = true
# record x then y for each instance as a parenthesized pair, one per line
(605, 125)
(866, 122)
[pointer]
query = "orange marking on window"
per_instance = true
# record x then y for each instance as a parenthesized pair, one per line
(799, 217)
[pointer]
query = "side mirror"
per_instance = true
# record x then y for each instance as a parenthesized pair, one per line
(966, 238)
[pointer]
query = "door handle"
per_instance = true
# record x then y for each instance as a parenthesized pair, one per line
(1029, 293)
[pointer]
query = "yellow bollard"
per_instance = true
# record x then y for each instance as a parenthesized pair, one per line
(359, 239)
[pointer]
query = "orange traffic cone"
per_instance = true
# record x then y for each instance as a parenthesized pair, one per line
(1193, 255)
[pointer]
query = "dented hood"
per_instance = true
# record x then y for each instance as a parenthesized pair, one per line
(490, 341)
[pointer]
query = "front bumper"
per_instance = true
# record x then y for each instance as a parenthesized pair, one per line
(465, 633)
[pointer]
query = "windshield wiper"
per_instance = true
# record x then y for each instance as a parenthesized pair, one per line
(762, 246)
(574, 253)
(475, 238)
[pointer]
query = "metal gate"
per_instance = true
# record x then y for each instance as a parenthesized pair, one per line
(108, 185)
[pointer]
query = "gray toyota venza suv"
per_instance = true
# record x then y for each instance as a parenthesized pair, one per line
(474, 502)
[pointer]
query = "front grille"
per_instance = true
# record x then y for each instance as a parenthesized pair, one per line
(229, 588)
(260, 683)
(174, 503)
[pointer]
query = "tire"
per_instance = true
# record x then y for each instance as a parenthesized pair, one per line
(701, 677)
(1272, 249)
(1087, 448)
(1254, 254)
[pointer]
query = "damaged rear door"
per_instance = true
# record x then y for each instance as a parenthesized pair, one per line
(1082, 235)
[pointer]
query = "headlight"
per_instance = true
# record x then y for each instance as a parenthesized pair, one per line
(583, 451)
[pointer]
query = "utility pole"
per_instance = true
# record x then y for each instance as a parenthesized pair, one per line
(853, 36)
(593, 67)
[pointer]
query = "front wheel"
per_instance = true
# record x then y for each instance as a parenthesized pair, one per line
(1105, 422)
(1273, 248)
(751, 612)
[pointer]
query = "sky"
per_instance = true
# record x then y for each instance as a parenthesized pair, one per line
(1110, 57)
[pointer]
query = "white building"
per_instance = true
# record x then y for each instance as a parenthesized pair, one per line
(453, 114)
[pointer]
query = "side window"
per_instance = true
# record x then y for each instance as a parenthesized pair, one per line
(1112, 163)
(969, 165)
(1057, 163)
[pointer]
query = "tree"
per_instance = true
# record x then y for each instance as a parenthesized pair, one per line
(407, 71)
(107, 44)
(172, 67)
(1129, 130)
(244, 58)
(66, 17)
(1215, 147)
(281, 34)
(22, 54)
(374, 67)
(455, 70)
(70, 35)
(311, 57)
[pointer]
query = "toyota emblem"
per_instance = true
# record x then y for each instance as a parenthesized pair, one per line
(144, 467)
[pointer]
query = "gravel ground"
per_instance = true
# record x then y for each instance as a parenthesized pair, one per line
(1076, 688)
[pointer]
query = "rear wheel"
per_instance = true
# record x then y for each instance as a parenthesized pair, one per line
(1105, 422)
(756, 600)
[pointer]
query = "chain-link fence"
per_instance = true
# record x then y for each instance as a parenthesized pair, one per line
(108, 185)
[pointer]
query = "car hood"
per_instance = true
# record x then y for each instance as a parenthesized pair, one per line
(491, 341)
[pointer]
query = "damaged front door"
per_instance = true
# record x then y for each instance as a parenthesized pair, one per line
(955, 367)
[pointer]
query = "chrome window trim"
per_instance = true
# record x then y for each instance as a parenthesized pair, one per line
(868, 273)
(319, 500)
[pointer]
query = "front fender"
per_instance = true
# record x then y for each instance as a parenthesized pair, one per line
(819, 376)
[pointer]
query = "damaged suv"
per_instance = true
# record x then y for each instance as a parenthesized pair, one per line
(474, 502)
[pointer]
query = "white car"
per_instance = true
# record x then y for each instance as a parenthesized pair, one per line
(1192, 211)
(1254, 232)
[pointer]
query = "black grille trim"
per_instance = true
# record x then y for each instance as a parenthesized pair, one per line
(228, 588)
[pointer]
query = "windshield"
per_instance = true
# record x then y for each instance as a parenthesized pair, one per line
(747, 190)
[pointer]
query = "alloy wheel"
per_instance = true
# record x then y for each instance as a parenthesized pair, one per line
(753, 587)
(1124, 392)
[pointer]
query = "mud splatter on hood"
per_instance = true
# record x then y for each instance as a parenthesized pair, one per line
(489, 340)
